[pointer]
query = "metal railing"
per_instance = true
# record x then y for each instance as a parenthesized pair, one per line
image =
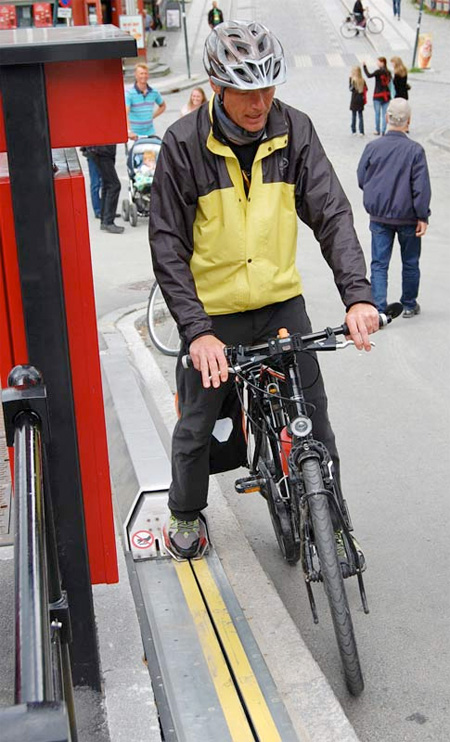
(43, 682)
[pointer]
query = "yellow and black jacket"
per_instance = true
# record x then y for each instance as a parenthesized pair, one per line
(217, 250)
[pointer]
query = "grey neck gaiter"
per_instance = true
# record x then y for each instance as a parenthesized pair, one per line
(231, 131)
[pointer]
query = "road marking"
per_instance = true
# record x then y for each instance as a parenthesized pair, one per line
(303, 60)
(335, 60)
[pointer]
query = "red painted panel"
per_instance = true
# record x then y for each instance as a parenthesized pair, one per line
(86, 103)
(86, 375)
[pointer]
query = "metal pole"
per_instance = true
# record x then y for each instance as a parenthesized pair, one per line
(33, 652)
(416, 43)
(183, 20)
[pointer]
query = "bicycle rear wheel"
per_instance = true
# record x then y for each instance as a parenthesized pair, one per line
(375, 24)
(332, 576)
(348, 30)
(161, 325)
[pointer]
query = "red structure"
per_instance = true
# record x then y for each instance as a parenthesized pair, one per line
(47, 309)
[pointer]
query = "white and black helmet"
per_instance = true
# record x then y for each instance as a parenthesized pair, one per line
(244, 55)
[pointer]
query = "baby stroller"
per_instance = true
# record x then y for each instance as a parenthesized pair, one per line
(141, 164)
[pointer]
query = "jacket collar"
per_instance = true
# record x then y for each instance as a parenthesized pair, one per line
(138, 90)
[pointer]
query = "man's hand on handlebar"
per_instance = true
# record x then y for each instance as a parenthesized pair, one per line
(208, 357)
(362, 320)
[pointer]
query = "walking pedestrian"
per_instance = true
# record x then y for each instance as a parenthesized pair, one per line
(230, 183)
(400, 78)
(215, 15)
(104, 158)
(396, 8)
(393, 175)
(95, 183)
(358, 89)
(143, 104)
(381, 93)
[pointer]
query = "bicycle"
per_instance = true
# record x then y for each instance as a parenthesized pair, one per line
(350, 28)
(161, 326)
(295, 474)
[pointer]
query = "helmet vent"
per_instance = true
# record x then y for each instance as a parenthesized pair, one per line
(244, 55)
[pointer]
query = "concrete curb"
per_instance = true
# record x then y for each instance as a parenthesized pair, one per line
(314, 710)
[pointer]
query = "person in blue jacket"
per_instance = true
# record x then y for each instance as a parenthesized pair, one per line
(393, 175)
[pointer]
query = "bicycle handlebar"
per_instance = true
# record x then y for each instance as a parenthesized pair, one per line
(296, 342)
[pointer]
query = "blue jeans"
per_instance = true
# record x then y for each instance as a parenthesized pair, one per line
(360, 120)
(96, 184)
(380, 112)
(396, 7)
(382, 242)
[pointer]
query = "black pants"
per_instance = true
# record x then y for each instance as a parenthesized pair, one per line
(200, 407)
(110, 186)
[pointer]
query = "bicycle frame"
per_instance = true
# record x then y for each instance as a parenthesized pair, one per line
(274, 395)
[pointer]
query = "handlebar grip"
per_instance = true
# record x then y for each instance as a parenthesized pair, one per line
(186, 361)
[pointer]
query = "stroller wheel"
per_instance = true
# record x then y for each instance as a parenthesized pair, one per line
(125, 210)
(133, 215)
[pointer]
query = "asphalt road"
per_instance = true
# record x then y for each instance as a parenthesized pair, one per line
(389, 408)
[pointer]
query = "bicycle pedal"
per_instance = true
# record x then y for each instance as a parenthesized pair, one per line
(248, 484)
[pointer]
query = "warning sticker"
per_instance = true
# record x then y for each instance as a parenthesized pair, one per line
(142, 539)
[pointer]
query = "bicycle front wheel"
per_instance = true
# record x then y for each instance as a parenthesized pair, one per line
(332, 576)
(348, 30)
(375, 25)
(161, 325)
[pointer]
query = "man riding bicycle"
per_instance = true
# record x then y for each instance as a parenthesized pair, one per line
(230, 182)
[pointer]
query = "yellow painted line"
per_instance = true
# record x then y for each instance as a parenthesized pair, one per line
(229, 700)
(248, 685)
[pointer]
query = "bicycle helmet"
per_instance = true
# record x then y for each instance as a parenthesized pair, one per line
(244, 55)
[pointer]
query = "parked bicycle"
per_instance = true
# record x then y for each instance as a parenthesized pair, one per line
(161, 326)
(350, 28)
(295, 474)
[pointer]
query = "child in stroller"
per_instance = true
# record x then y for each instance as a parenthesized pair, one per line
(141, 164)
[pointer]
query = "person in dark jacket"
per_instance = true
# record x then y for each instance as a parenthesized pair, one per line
(215, 15)
(393, 175)
(381, 93)
(104, 158)
(358, 89)
(358, 12)
(400, 78)
(230, 182)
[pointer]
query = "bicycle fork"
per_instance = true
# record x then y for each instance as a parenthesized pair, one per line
(300, 453)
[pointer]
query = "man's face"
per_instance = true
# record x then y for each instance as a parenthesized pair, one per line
(141, 76)
(248, 109)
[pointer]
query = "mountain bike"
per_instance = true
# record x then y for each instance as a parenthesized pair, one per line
(350, 28)
(294, 473)
(161, 326)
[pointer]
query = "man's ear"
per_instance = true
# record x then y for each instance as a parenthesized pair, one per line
(215, 87)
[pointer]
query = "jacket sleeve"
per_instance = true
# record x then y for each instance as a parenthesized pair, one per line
(322, 204)
(173, 207)
(367, 73)
(362, 168)
(420, 186)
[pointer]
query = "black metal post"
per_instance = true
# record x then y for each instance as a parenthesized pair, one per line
(186, 44)
(32, 188)
(416, 42)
